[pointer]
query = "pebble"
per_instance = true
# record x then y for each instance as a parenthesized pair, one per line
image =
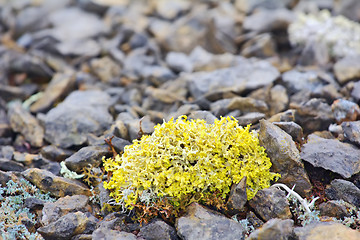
(326, 231)
(347, 69)
(274, 229)
(352, 131)
(340, 189)
(237, 198)
(158, 230)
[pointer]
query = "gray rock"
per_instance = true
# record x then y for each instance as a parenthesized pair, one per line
(296, 81)
(355, 93)
(247, 104)
(7, 152)
(172, 9)
(348, 9)
(268, 20)
(313, 115)
(60, 85)
(5, 177)
(87, 156)
(22, 121)
(333, 208)
(279, 99)
(271, 203)
(314, 54)
(31, 65)
(106, 234)
(285, 157)
(30, 19)
(201, 223)
(248, 6)
(54, 185)
(261, 46)
(33, 203)
(274, 229)
(5, 128)
(81, 113)
(83, 47)
(179, 62)
(106, 69)
(52, 211)
(352, 131)
(68, 226)
(247, 75)
(9, 165)
(250, 118)
(237, 198)
(185, 109)
(158, 230)
(54, 153)
(219, 107)
(340, 189)
(331, 154)
(345, 110)
(206, 115)
(347, 69)
(291, 128)
(326, 230)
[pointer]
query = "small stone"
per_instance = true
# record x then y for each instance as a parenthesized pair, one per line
(352, 131)
(4, 178)
(355, 93)
(237, 198)
(261, 46)
(179, 62)
(22, 121)
(250, 118)
(246, 104)
(291, 128)
(331, 154)
(158, 230)
(274, 229)
(206, 115)
(185, 109)
(10, 165)
(285, 157)
(64, 205)
(340, 189)
(345, 110)
(56, 186)
(60, 85)
(347, 68)
(34, 203)
(296, 81)
(7, 152)
(68, 226)
(201, 223)
(172, 9)
(55, 153)
(329, 230)
(279, 99)
(334, 209)
(106, 69)
(271, 203)
(107, 234)
(87, 157)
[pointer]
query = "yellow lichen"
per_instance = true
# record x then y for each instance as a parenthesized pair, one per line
(187, 158)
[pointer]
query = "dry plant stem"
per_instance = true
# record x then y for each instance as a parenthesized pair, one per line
(297, 196)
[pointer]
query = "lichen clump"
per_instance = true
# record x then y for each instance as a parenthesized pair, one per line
(187, 160)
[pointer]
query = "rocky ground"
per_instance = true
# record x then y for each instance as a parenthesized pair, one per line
(74, 73)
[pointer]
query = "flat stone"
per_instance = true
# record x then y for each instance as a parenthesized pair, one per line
(10, 165)
(347, 68)
(106, 69)
(274, 229)
(355, 93)
(201, 223)
(22, 121)
(81, 113)
(285, 157)
(158, 230)
(237, 198)
(87, 156)
(296, 81)
(331, 154)
(271, 203)
(333, 208)
(291, 128)
(55, 153)
(179, 62)
(107, 234)
(340, 189)
(60, 85)
(329, 230)
(250, 118)
(352, 131)
(247, 104)
(68, 226)
(56, 186)
(279, 99)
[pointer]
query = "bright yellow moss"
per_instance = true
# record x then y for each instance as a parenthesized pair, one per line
(186, 157)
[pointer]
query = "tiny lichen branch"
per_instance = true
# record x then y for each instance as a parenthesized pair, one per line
(303, 201)
(67, 173)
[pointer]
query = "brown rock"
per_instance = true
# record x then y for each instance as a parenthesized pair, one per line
(321, 231)
(246, 104)
(278, 229)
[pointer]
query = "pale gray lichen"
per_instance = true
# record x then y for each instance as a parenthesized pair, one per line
(340, 35)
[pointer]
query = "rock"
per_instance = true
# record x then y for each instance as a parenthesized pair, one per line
(54, 153)
(4, 178)
(291, 128)
(271, 203)
(246, 104)
(87, 156)
(33, 203)
(296, 81)
(355, 93)
(158, 230)
(347, 68)
(179, 62)
(106, 69)
(83, 47)
(345, 110)
(331, 154)
(279, 99)
(250, 118)
(248, 6)
(314, 54)
(81, 113)
(314, 115)
(68, 226)
(348, 9)
(269, 20)
(7, 152)
(163, 95)
(171, 10)
(247, 75)
(22, 121)
(60, 85)
(101, 233)
(340, 189)
(285, 157)
(9, 93)
(352, 131)
(56, 186)
(5, 128)
(274, 229)
(237, 198)
(185, 109)
(207, 116)
(9, 165)
(201, 223)
(119, 144)
(115, 221)
(261, 46)
(329, 230)
(52, 211)
(334, 209)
